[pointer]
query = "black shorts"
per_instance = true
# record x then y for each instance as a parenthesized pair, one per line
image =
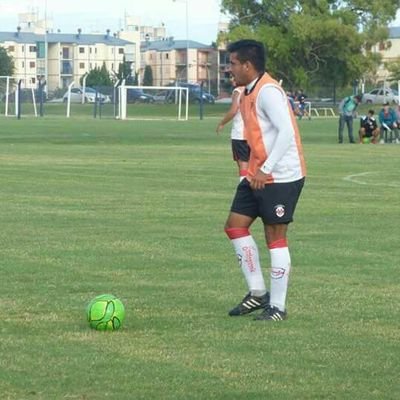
(368, 133)
(275, 204)
(240, 150)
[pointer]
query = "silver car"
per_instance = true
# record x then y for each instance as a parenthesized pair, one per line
(380, 96)
(89, 96)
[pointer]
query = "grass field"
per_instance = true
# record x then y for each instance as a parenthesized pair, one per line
(137, 209)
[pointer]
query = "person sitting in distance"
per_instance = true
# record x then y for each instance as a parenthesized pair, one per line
(369, 128)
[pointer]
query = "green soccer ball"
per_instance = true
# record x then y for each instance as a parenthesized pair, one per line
(105, 313)
(366, 140)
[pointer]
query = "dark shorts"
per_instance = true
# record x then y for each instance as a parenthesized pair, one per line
(275, 204)
(368, 133)
(240, 150)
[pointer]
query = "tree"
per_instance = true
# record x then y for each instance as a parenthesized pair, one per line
(394, 70)
(125, 72)
(314, 41)
(98, 77)
(148, 76)
(6, 63)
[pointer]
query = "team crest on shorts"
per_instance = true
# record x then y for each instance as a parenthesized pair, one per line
(280, 210)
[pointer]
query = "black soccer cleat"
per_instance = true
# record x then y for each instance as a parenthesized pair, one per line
(271, 314)
(249, 304)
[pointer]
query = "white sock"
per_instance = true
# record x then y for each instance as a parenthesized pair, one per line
(249, 261)
(280, 269)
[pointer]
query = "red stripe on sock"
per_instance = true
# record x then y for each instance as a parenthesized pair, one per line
(236, 233)
(278, 244)
(243, 172)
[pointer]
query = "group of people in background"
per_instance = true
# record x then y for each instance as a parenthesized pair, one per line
(298, 103)
(388, 119)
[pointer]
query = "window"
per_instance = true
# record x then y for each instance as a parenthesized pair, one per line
(11, 48)
(381, 46)
(65, 53)
(166, 56)
(40, 50)
(81, 50)
(32, 49)
(121, 51)
(33, 80)
(90, 50)
(82, 65)
(32, 64)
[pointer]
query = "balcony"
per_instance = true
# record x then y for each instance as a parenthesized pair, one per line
(66, 68)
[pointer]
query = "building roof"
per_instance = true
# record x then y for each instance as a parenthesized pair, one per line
(394, 32)
(171, 44)
(83, 39)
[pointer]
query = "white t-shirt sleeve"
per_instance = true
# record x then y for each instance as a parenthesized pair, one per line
(273, 104)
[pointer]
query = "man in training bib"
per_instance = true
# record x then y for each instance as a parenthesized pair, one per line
(272, 186)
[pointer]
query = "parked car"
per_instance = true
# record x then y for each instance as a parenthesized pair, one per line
(380, 95)
(89, 93)
(138, 96)
(195, 94)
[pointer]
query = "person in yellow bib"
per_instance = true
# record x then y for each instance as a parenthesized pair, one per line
(275, 178)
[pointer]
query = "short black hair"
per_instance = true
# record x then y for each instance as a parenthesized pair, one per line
(371, 112)
(249, 50)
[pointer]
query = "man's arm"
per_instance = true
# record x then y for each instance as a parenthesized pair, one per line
(273, 103)
(231, 113)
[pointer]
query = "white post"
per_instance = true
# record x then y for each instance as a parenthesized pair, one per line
(17, 101)
(179, 103)
(115, 91)
(7, 94)
(69, 99)
(384, 91)
(398, 92)
(34, 101)
(84, 86)
(187, 40)
(187, 36)
(123, 100)
(46, 45)
(187, 104)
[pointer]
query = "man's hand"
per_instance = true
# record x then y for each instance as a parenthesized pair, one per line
(219, 129)
(259, 180)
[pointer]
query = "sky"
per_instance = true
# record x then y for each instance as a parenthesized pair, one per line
(100, 15)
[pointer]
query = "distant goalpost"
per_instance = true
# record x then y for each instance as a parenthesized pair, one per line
(6, 85)
(176, 96)
(14, 97)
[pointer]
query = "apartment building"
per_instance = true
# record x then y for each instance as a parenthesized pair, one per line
(63, 58)
(389, 51)
(179, 60)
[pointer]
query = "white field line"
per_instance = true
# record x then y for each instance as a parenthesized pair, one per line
(357, 178)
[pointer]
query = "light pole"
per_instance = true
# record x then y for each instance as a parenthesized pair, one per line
(187, 36)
